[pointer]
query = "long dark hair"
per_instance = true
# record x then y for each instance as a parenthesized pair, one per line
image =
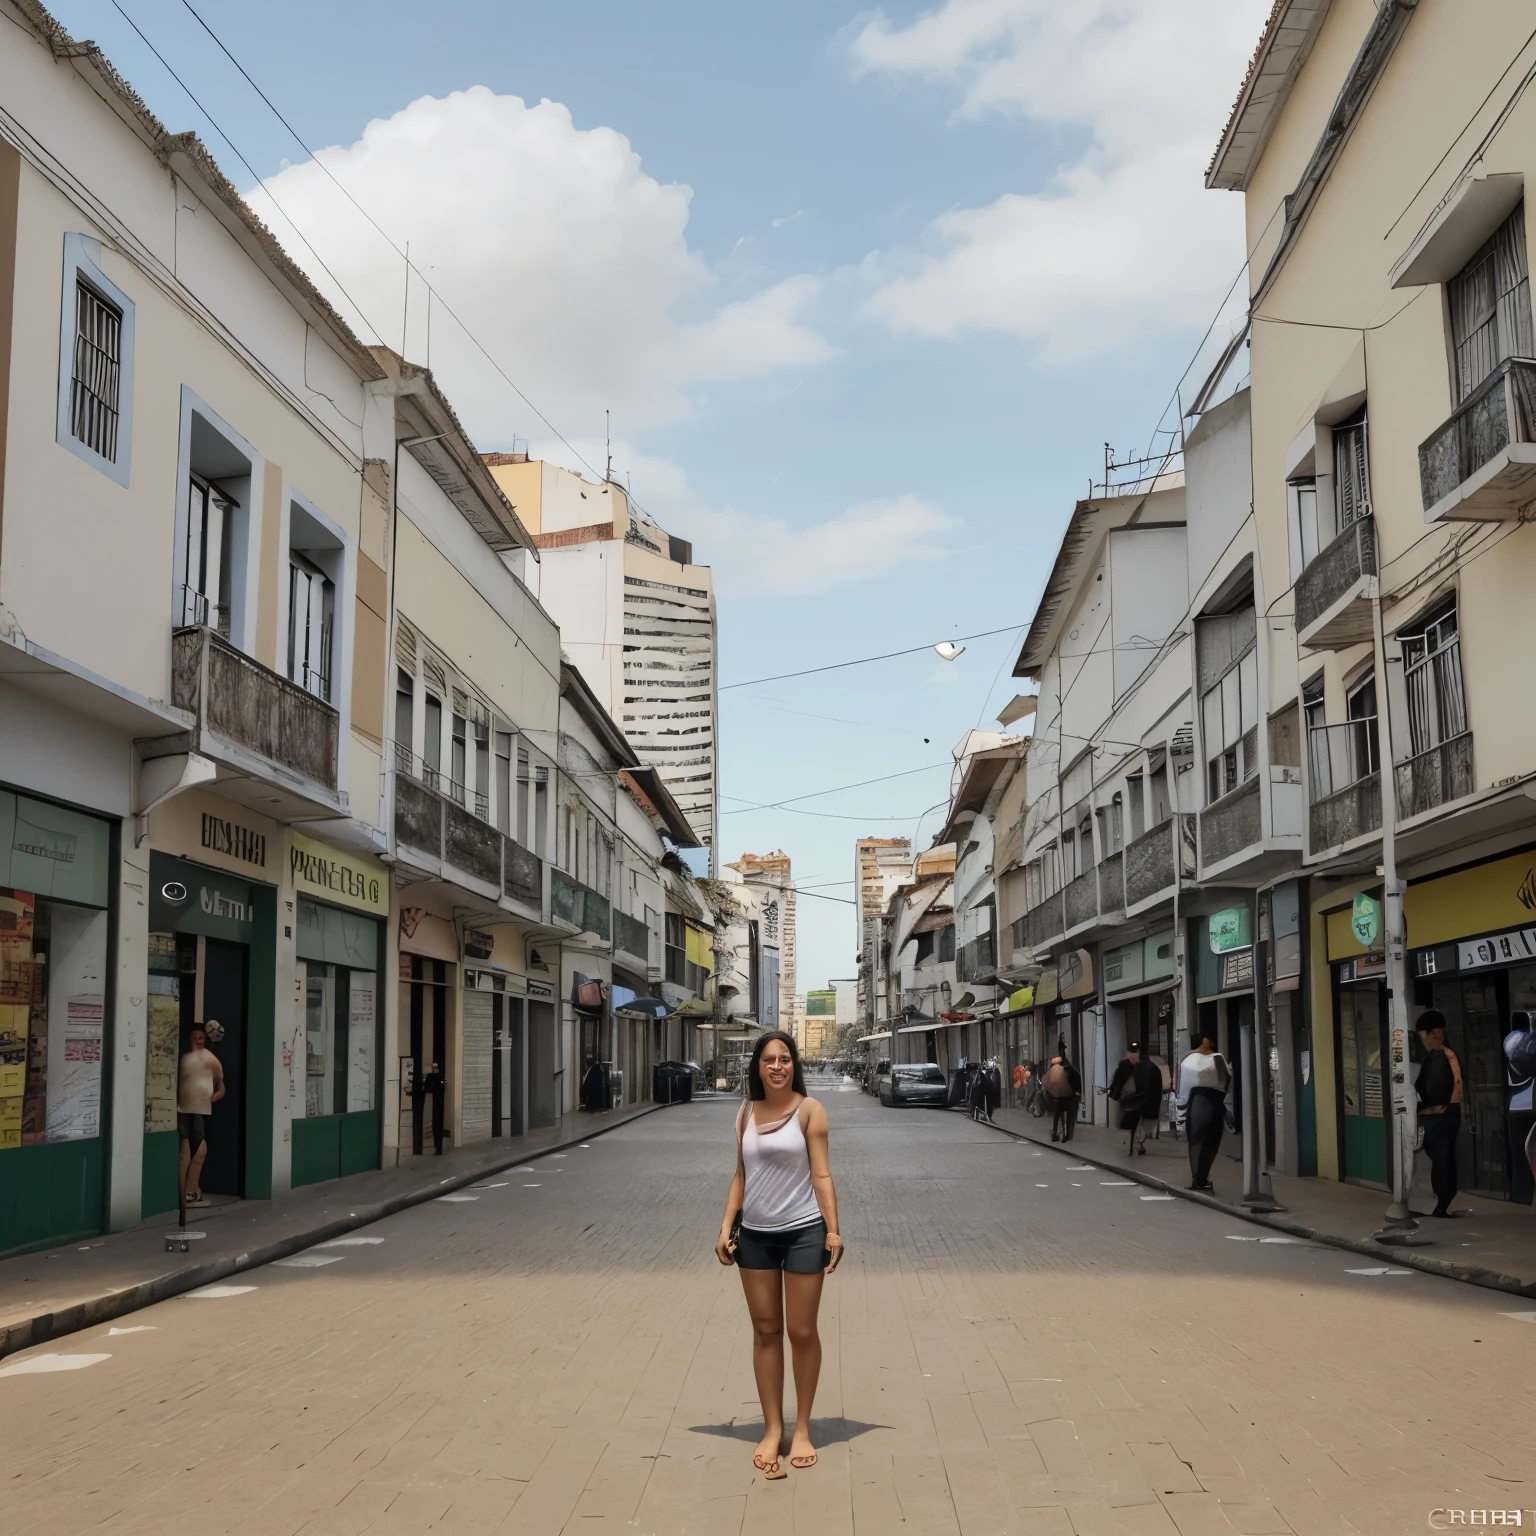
(755, 1087)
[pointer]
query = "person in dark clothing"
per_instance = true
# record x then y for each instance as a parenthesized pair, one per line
(1063, 1086)
(1440, 1095)
(430, 1086)
(1202, 1103)
(1136, 1086)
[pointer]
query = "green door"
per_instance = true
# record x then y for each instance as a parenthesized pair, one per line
(1363, 1083)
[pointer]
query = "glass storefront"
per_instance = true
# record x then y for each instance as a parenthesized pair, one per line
(1362, 1043)
(55, 865)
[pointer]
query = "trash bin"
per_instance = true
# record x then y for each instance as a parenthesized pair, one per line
(672, 1083)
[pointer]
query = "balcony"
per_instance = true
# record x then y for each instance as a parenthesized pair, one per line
(1082, 899)
(977, 960)
(252, 708)
(437, 826)
(632, 937)
(1046, 923)
(1435, 777)
(1480, 466)
(579, 906)
(1112, 884)
(1231, 824)
(1334, 592)
(1345, 784)
(1152, 863)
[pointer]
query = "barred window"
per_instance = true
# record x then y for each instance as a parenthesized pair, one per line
(1490, 303)
(1437, 704)
(96, 381)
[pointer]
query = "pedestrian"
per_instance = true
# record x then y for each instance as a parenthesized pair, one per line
(781, 1231)
(199, 1086)
(1063, 1085)
(1137, 1087)
(1440, 1097)
(431, 1087)
(1202, 1105)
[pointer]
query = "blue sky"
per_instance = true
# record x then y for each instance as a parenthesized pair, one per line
(866, 292)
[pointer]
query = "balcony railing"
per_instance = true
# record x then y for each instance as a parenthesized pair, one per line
(248, 705)
(1112, 884)
(1045, 923)
(1345, 783)
(1480, 463)
(1233, 823)
(1331, 575)
(632, 936)
(435, 779)
(1435, 777)
(1151, 864)
(434, 824)
(977, 959)
(579, 905)
(1083, 899)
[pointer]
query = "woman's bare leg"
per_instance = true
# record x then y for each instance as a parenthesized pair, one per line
(802, 1301)
(765, 1301)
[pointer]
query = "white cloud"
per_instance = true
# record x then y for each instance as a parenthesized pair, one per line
(570, 263)
(757, 558)
(1123, 240)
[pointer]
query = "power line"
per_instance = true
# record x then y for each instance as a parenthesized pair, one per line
(776, 805)
(865, 660)
(383, 234)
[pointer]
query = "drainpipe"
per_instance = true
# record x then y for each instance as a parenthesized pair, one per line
(1400, 1228)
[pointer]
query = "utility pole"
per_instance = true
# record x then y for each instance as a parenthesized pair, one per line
(1258, 1194)
(1401, 1228)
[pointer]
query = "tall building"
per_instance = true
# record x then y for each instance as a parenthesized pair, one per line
(881, 864)
(636, 616)
(771, 871)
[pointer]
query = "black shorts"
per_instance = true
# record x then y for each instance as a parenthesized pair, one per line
(191, 1128)
(799, 1251)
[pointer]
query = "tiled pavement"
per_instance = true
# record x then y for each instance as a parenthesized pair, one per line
(1016, 1343)
(1493, 1243)
(50, 1293)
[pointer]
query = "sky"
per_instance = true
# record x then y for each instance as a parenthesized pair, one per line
(864, 293)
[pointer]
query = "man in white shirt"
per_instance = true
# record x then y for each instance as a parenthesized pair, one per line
(1202, 1106)
(199, 1087)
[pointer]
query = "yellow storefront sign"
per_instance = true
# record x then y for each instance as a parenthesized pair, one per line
(344, 879)
(1481, 899)
(701, 947)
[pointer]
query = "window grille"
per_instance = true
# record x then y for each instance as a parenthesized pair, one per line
(1490, 304)
(1437, 703)
(97, 378)
(1351, 472)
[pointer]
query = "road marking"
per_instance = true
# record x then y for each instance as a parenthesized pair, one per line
(458, 1197)
(1157, 1197)
(1076, 1185)
(39, 1365)
(1279, 1239)
(217, 1292)
(351, 1242)
(1082, 1168)
(1240, 1237)
(502, 1185)
(533, 1186)
(1118, 1183)
(308, 1260)
(557, 1154)
(113, 1333)
(1522, 1317)
(1380, 1269)
(1042, 1186)
(586, 1146)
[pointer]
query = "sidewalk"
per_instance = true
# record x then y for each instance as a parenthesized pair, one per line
(1493, 1245)
(60, 1290)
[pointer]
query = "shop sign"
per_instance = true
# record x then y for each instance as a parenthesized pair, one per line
(1077, 973)
(1365, 919)
(1227, 930)
(235, 841)
(1500, 949)
(1047, 989)
(1237, 970)
(541, 991)
(1022, 1000)
(185, 898)
(1123, 967)
(348, 879)
(478, 944)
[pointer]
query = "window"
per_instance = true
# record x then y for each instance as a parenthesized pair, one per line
(1085, 844)
(311, 621)
(1301, 499)
(1351, 472)
(1135, 786)
(1162, 805)
(459, 761)
(205, 588)
(1068, 856)
(1229, 716)
(524, 833)
(95, 386)
(944, 943)
(432, 740)
(1490, 304)
(1364, 755)
(504, 806)
(1315, 720)
(96, 380)
(483, 770)
(1437, 704)
(405, 708)
(1112, 826)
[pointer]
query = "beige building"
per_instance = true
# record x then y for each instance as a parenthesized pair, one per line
(881, 864)
(637, 616)
(1381, 151)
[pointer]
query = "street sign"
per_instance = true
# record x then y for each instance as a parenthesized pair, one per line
(1365, 920)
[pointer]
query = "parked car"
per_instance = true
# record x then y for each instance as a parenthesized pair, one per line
(914, 1083)
(875, 1074)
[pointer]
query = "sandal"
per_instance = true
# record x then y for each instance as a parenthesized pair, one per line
(772, 1471)
(801, 1463)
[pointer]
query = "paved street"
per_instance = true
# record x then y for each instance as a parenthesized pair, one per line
(1015, 1343)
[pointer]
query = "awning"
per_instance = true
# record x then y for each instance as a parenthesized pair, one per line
(871, 1039)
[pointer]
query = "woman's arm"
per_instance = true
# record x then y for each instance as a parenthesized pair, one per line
(816, 1141)
(734, 1198)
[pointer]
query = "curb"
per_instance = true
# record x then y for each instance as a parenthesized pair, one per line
(114, 1304)
(1405, 1258)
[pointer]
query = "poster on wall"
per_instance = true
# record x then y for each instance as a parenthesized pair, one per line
(76, 1010)
(164, 1026)
(361, 1031)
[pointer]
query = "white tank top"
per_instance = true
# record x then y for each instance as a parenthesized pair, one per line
(778, 1195)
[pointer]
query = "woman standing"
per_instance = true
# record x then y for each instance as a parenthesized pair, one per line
(781, 1220)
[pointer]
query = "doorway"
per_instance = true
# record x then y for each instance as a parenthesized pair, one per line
(1361, 1012)
(543, 1102)
(1476, 1008)
(425, 1005)
(507, 1066)
(215, 999)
